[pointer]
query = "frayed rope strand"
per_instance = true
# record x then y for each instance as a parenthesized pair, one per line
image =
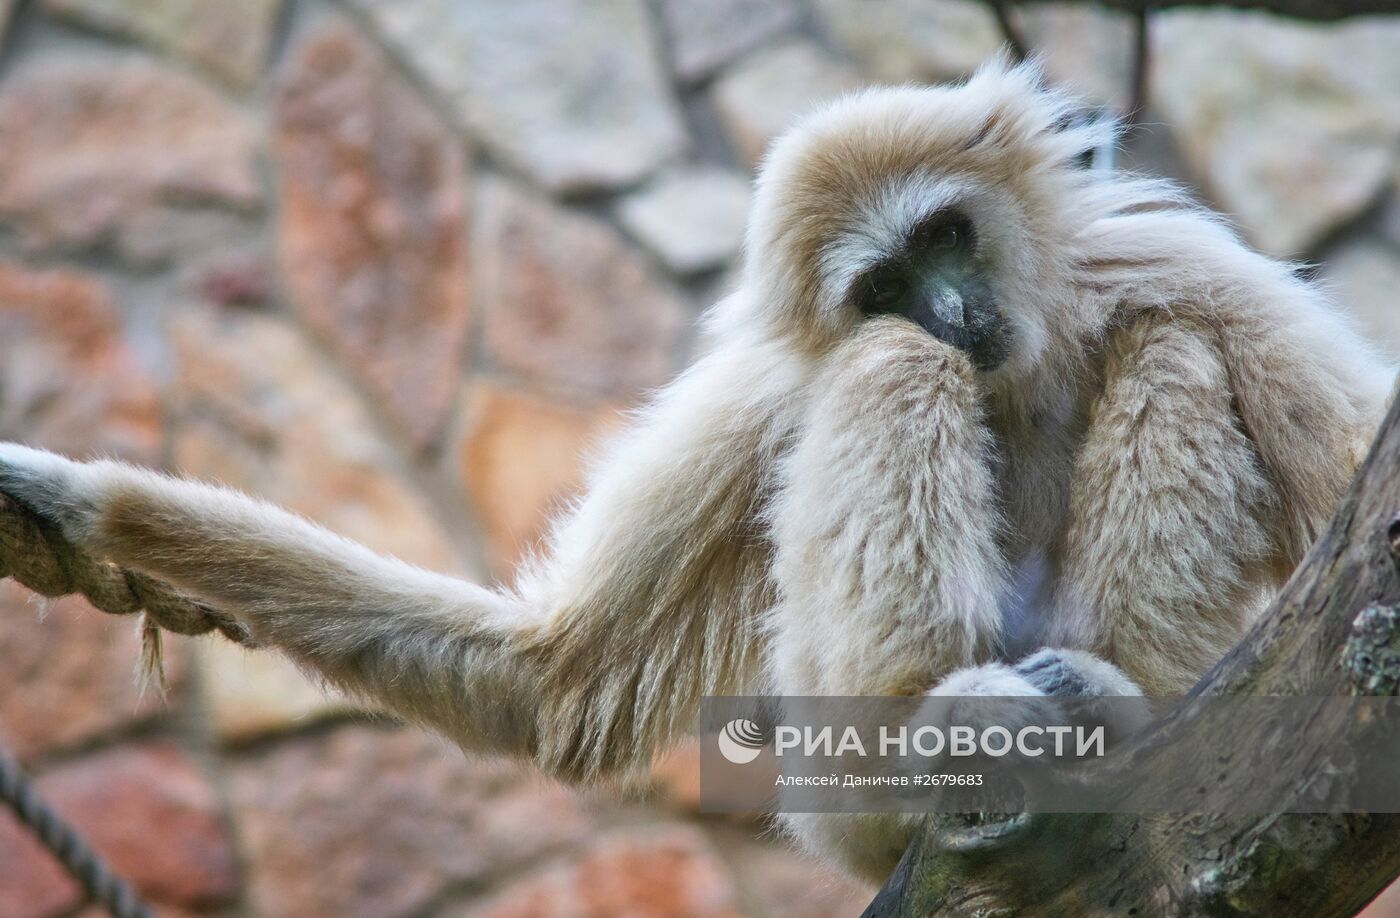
(151, 672)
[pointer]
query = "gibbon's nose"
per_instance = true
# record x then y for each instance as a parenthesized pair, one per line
(945, 300)
(962, 312)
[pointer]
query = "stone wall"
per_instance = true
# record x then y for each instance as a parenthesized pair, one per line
(396, 265)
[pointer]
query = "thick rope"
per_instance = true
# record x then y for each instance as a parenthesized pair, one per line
(99, 883)
(35, 553)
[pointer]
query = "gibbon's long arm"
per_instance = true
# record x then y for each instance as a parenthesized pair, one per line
(1308, 392)
(1236, 405)
(888, 571)
(1170, 512)
(647, 601)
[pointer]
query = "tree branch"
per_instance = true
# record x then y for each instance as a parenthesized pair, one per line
(1334, 630)
(1315, 10)
(1014, 39)
(1142, 53)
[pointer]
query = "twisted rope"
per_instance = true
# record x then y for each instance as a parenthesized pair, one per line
(99, 883)
(35, 553)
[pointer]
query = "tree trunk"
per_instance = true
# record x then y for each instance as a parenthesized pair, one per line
(1315, 10)
(1332, 631)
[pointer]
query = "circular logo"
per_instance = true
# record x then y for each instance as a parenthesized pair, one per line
(741, 741)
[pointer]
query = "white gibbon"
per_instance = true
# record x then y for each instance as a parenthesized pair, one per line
(969, 400)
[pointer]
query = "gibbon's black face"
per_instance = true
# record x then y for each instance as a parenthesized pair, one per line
(936, 281)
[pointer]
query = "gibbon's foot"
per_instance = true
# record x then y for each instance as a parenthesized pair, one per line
(1028, 692)
(982, 697)
(1036, 691)
(1073, 673)
(1077, 674)
(990, 695)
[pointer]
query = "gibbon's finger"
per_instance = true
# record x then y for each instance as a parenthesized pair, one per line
(47, 484)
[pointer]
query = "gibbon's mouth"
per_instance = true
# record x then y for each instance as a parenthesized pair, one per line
(984, 337)
(954, 306)
(962, 314)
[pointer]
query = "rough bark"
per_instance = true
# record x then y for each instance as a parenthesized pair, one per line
(1334, 630)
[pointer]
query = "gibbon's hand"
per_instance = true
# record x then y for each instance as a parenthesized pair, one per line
(51, 486)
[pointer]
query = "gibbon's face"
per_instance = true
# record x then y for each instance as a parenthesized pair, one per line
(946, 206)
(932, 276)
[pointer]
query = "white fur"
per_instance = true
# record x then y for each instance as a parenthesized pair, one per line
(827, 503)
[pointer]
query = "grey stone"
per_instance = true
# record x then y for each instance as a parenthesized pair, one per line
(373, 223)
(1084, 48)
(359, 821)
(571, 92)
(251, 694)
(664, 870)
(165, 233)
(66, 680)
(706, 36)
(1292, 127)
(230, 40)
(566, 304)
(70, 381)
(693, 220)
(762, 96)
(95, 147)
(256, 405)
(1365, 276)
(921, 40)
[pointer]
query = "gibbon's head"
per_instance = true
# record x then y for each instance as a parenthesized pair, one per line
(955, 207)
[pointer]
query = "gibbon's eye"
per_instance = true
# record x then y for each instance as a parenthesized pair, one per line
(887, 291)
(948, 232)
